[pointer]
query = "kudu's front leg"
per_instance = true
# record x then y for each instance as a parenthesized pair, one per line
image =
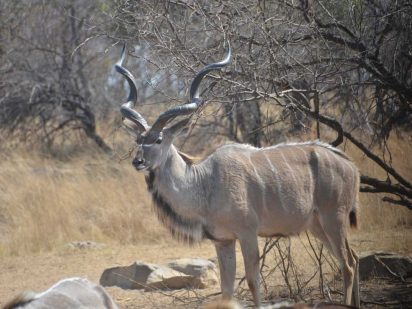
(227, 264)
(250, 252)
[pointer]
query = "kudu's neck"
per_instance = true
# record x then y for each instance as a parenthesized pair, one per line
(176, 173)
(178, 194)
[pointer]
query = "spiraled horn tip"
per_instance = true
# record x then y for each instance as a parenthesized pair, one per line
(123, 56)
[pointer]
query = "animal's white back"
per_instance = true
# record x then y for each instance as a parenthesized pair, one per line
(66, 294)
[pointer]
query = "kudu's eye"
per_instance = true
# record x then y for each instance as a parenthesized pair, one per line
(159, 140)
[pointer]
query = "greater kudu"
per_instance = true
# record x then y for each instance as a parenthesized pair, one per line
(241, 192)
(69, 293)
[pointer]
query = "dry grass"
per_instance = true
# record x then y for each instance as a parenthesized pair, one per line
(45, 203)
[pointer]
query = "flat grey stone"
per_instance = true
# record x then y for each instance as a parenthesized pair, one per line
(128, 277)
(204, 270)
(384, 265)
(167, 278)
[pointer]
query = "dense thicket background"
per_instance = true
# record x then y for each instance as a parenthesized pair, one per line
(340, 71)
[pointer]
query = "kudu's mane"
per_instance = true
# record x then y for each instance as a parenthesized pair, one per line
(189, 160)
(316, 143)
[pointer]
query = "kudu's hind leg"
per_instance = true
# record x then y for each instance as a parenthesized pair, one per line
(335, 230)
(355, 262)
(250, 252)
(227, 264)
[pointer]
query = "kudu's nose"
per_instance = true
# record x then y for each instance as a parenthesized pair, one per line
(136, 162)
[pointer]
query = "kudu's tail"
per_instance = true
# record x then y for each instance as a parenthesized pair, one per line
(353, 214)
(353, 218)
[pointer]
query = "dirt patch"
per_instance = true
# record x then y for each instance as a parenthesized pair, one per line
(38, 272)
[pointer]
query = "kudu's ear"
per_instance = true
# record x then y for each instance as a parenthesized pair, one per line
(180, 128)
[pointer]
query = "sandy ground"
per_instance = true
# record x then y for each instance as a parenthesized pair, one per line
(40, 271)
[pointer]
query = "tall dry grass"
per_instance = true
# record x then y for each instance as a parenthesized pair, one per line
(47, 202)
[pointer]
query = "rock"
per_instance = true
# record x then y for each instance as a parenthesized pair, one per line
(168, 278)
(204, 270)
(128, 277)
(179, 274)
(384, 264)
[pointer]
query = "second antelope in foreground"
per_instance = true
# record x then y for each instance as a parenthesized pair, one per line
(240, 192)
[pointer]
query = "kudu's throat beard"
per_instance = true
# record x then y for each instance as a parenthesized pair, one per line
(186, 230)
